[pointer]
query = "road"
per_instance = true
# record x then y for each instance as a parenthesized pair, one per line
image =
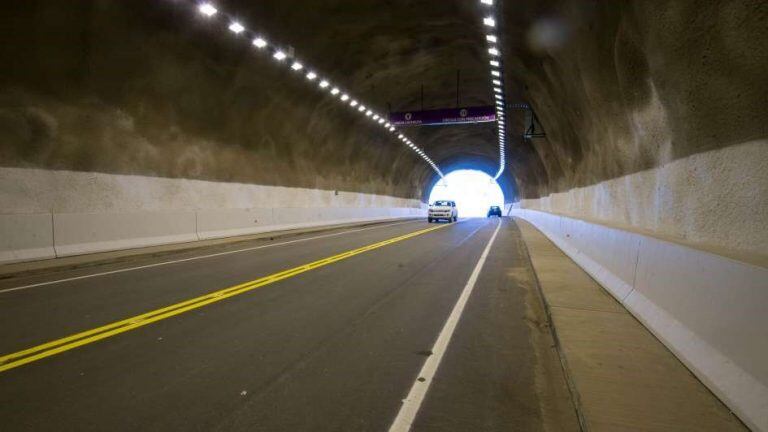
(446, 317)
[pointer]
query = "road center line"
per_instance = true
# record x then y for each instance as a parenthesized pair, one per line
(196, 258)
(412, 402)
(13, 360)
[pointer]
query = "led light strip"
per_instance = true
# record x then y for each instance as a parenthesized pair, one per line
(261, 43)
(497, 78)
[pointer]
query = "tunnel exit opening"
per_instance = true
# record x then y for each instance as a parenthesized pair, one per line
(474, 192)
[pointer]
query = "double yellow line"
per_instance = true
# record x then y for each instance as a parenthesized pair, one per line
(57, 346)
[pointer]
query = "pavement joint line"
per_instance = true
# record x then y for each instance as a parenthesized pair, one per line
(412, 403)
(23, 287)
(20, 358)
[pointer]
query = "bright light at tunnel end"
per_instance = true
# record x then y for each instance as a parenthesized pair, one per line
(474, 192)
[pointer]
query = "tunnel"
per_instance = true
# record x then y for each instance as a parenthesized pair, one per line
(216, 215)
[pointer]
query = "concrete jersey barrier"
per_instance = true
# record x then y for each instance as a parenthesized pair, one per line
(25, 237)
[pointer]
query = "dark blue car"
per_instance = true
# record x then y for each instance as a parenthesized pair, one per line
(494, 211)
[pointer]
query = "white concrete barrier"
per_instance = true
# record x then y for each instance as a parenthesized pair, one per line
(708, 309)
(80, 233)
(233, 222)
(25, 237)
(45, 212)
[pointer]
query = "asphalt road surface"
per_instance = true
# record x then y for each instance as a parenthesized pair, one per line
(439, 326)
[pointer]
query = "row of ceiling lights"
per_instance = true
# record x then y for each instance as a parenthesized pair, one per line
(260, 42)
(497, 79)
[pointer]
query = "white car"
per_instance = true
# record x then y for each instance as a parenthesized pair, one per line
(442, 210)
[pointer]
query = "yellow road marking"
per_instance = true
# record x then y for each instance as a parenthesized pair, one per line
(57, 346)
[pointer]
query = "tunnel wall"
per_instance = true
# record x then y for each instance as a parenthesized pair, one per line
(653, 174)
(716, 200)
(127, 125)
(654, 116)
(154, 89)
(49, 213)
(706, 308)
(624, 87)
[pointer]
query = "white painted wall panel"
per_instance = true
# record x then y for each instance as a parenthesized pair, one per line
(80, 233)
(47, 211)
(26, 237)
(233, 222)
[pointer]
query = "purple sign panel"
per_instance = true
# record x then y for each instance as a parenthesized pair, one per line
(444, 116)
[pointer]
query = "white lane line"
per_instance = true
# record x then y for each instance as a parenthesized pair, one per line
(412, 402)
(197, 257)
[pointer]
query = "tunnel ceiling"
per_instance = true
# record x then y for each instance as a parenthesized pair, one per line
(151, 87)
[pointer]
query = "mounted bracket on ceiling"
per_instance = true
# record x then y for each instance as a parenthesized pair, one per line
(533, 128)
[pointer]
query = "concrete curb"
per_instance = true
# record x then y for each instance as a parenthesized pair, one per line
(567, 373)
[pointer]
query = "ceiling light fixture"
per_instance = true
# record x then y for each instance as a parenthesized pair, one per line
(498, 86)
(236, 27)
(207, 9)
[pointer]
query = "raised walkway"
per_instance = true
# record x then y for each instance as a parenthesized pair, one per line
(621, 377)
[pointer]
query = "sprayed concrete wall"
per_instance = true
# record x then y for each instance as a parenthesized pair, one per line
(49, 213)
(624, 87)
(660, 128)
(717, 200)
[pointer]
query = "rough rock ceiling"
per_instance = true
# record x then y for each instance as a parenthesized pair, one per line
(150, 87)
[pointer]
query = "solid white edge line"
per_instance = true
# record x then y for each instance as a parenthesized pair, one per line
(412, 402)
(197, 257)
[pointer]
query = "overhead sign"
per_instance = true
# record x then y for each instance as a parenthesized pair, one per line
(444, 116)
